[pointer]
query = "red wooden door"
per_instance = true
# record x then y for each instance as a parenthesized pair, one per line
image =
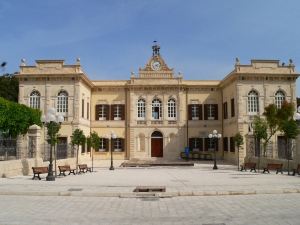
(156, 147)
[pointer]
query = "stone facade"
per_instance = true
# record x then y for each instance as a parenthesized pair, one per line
(156, 114)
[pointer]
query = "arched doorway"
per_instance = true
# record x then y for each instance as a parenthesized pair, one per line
(156, 144)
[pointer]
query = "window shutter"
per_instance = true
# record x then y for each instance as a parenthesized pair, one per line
(205, 111)
(97, 112)
(200, 112)
(122, 144)
(106, 141)
(217, 145)
(190, 112)
(112, 144)
(112, 110)
(206, 144)
(200, 144)
(216, 111)
(232, 108)
(122, 112)
(191, 143)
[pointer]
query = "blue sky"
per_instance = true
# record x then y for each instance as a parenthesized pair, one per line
(199, 38)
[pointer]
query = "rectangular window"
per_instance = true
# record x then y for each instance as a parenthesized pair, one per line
(232, 108)
(210, 144)
(82, 108)
(232, 148)
(195, 111)
(117, 112)
(88, 110)
(102, 112)
(62, 148)
(281, 146)
(211, 112)
(118, 144)
(225, 110)
(225, 144)
(103, 145)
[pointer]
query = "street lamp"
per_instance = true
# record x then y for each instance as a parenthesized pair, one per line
(52, 122)
(113, 136)
(215, 136)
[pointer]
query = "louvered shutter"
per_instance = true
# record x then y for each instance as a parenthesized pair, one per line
(122, 112)
(191, 143)
(97, 112)
(206, 144)
(112, 110)
(122, 144)
(216, 111)
(106, 144)
(190, 112)
(200, 112)
(200, 144)
(205, 111)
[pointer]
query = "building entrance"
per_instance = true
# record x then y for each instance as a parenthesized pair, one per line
(156, 144)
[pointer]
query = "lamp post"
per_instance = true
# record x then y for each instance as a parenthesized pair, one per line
(215, 136)
(113, 136)
(52, 122)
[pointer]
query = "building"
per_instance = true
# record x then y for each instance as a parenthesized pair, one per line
(156, 113)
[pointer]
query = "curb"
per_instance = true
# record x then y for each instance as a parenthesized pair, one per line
(150, 194)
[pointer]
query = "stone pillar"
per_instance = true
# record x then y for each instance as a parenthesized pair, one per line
(34, 145)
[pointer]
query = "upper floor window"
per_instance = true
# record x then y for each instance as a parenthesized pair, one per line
(102, 112)
(156, 109)
(211, 111)
(117, 112)
(171, 109)
(195, 111)
(103, 145)
(34, 100)
(118, 144)
(141, 109)
(279, 99)
(62, 102)
(253, 102)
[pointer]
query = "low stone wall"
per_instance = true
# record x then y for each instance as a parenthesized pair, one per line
(21, 167)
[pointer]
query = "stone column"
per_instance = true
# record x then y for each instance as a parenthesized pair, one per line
(34, 145)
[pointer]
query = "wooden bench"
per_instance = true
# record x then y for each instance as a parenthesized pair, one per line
(249, 165)
(273, 166)
(84, 168)
(39, 170)
(65, 168)
(296, 170)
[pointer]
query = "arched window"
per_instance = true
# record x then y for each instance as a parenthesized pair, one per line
(34, 100)
(156, 109)
(279, 99)
(171, 109)
(141, 109)
(253, 102)
(62, 102)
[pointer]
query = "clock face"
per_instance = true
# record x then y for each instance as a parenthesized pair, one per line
(155, 65)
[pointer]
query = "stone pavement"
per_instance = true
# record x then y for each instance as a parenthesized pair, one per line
(199, 180)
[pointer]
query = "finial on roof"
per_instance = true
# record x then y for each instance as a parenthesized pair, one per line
(237, 61)
(78, 61)
(155, 48)
(23, 62)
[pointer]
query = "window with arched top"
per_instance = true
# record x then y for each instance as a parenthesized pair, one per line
(62, 102)
(253, 106)
(279, 99)
(141, 109)
(156, 109)
(172, 109)
(34, 100)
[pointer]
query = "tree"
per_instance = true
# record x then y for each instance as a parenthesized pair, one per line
(77, 139)
(238, 140)
(288, 126)
(15, 119)
(95, 143)
(260, 130)
(9, 87)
